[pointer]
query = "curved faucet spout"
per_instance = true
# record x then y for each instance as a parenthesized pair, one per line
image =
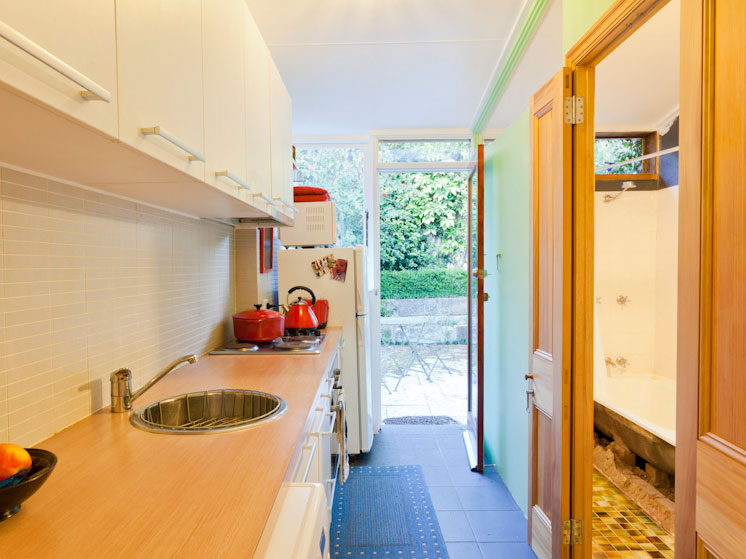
(121, 384)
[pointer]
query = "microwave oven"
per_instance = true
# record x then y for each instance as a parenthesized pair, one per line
(315, 225)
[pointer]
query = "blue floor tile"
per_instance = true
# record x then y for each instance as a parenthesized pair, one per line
(486, 497)
(498, 526)
(436, 476)
(505, 551)
(455, 526)
(422, 457)
(463, 476)
(444, 498)
(463, 550)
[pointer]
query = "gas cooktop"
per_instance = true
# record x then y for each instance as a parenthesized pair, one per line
(287, 345)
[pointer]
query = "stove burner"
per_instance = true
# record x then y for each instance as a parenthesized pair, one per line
(302, 339)
(306, 332)
(242, 346)
(291, 346)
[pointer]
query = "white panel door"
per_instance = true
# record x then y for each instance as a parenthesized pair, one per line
(159, 46)
(281, 120)
(256, 73)
(225, 108)
(80, 34)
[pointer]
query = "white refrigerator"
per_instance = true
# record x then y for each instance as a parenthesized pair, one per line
(348, 309)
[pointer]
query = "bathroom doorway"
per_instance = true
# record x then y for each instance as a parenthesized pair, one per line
(627, 281)
(635, 284)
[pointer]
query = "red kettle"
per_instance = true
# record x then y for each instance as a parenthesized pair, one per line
(300, 315)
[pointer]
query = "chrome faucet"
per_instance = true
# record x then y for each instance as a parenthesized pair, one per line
(121, 384)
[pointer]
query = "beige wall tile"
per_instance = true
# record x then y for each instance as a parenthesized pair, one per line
(91, 283)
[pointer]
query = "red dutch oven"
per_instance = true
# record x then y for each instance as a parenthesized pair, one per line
(258, 325)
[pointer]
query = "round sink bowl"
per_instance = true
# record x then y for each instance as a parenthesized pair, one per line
(211, 411)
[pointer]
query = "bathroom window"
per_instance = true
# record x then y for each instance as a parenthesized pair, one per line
(612, 149)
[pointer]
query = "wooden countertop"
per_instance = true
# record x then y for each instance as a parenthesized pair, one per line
(119, 491)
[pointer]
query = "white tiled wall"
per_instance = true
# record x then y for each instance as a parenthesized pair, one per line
(636, 256)
(91, 283)
(252, 287)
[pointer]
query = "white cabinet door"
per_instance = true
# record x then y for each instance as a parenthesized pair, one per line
(76, 38)
(281, 120)
(256, 62)
(225, 112)
(160, 80)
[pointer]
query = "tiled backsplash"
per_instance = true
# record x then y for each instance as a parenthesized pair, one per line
(91, 283)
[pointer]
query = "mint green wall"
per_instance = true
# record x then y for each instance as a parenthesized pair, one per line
(506, 312)
(578, 16)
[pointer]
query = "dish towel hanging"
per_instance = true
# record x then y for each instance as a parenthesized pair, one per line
(341, 430)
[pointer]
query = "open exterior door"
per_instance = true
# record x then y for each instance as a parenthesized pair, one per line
(549, 378)
(474, 434)
(711, 383)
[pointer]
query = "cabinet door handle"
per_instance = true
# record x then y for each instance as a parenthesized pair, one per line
(228, 175)
(92, 89)
(287, 204)
(265, 198)
(158, 130)
(312, 451)
(529, 395)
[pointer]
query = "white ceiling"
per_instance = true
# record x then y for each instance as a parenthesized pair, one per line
(356, 66)
(539, 62)
(637, 85)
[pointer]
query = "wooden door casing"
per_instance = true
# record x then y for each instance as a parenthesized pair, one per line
(550, 260)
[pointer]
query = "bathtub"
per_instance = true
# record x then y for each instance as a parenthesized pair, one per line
(639, 409)
(647, 400)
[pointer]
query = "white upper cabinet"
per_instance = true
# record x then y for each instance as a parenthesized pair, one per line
(281, 135)
(225, 109)
(53, 51)
(160, 80)
(257, 125)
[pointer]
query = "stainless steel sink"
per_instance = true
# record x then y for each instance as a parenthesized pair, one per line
(212, 411)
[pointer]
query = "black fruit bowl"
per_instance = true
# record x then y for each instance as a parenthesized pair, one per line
(42, 464)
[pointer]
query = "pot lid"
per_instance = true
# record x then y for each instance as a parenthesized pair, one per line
(257, 313)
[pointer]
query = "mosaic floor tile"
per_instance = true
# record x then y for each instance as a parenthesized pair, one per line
(621, 530)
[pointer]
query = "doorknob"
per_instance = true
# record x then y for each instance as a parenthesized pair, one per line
(529, 395)
(481, 274)
(529, 376)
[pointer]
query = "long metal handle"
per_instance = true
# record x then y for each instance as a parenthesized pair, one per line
(312, 449)
(333, 417)
(265, 198)
(287, 204)
(158, 130)
(92, 89)
(227, 174)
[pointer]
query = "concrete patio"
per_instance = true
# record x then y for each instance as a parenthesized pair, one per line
(444, 394)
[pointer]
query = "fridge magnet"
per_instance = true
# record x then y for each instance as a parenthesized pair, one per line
(320, 266)
(339, 272)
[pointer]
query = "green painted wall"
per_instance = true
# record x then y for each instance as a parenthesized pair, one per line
(506, 312)
(578, 16)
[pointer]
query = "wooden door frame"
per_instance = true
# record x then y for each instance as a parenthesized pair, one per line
(620, 21)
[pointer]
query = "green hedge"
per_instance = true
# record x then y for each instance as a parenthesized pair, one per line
(427, 283)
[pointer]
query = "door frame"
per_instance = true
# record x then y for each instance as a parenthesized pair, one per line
(474, 433)
(620, 21)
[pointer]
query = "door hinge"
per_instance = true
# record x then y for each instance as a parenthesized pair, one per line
(572, 532)
(574, 110)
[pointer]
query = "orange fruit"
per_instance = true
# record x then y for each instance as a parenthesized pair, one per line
(13, 459)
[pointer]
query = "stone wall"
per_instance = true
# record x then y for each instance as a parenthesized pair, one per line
(446, 318)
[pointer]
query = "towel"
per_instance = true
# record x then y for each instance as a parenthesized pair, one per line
(311, 198)
(341, 431)
(309, 191)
